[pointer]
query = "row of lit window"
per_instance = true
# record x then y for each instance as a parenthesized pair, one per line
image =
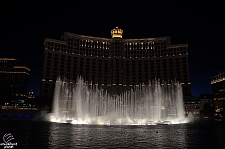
(149, 45)
(127, 56)
(141, 42)
(119, 63)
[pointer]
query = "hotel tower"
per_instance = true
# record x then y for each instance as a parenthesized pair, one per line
(13, 79)
(114, 64)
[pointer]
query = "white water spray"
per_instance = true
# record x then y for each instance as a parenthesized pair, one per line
(78, 103)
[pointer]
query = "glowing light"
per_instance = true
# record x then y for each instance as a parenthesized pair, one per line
(116, 33)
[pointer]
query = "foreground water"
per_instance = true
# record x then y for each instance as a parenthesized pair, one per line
(37, 134)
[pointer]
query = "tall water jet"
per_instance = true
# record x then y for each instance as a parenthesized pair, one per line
(79, 103)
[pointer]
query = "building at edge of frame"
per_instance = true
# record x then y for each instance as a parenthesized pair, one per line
(13, 79)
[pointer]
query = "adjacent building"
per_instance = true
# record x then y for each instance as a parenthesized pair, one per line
(218, 82)
(115, 64)
(13, 78)
(218, 89)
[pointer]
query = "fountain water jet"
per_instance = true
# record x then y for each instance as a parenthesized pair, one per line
(78, 103)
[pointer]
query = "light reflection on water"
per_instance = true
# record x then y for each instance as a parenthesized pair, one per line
(163, 136)
(29, 134)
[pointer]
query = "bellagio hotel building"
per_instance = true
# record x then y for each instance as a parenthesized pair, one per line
(114, 64)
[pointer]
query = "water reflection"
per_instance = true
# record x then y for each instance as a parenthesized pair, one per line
(95, 136)
(29, 134)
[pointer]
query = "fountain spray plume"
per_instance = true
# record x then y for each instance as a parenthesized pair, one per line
(155, 103)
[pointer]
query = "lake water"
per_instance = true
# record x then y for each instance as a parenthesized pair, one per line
(39, 134)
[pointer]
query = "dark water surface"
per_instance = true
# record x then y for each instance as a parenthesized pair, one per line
(37, 134)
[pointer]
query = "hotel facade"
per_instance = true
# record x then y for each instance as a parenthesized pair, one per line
(114, 64)
(13, 78)
(218, 86)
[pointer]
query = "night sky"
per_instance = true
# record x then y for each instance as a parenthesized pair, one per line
(25, 25)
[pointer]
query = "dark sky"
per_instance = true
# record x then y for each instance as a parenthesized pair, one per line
(25, 25)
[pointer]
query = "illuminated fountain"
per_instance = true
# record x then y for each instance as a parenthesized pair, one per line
(78, 103)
